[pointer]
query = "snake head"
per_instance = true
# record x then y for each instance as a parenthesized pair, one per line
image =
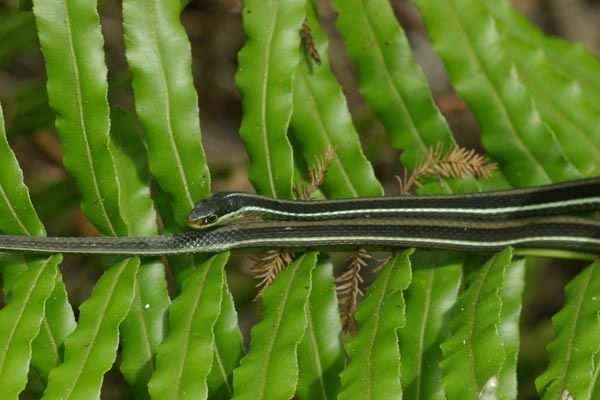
(211, 211)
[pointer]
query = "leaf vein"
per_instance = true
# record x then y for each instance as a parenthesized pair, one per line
(168, 109)
(264, 99)
(13, 212)
(374, 331)
(471, 326)
(422, 331)
(188, 326)
(30, 288)
(301, 76)
(87, 349)
(84, 129)
(573, 329)
(494, 92)
(391, 84)
(315, 346)
(271, 343)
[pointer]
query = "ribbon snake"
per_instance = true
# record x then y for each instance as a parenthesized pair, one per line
(542, 217)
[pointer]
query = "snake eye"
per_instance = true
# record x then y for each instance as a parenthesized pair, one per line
(211, 219)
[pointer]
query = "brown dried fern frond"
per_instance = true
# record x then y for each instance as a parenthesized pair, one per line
(309, 43)
(267, 266)
(455, 163)
(316, 174)
(348, 289)
(382, 262)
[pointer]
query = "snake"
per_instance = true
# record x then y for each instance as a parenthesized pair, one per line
(539, 217)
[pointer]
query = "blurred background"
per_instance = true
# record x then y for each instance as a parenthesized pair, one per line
(216, 34)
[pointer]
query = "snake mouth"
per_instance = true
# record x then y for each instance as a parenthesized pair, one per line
(202, 222)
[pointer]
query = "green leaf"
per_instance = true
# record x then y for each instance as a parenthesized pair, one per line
(436, 279)
(270, 369)
(474, 353)
(228, 349)
(58, 323)
(184, 359)
(320, 353)
(571, 59)
(595, 383)
(563, 108)
(390, 80)
(572, 351)
(144, 328)
(20, 323)
(484, 75)
(24, 5)
(374, 368)
(91, 349)
(567, 101)
(267, 64)
(131, 168)
(321, 118)
(17, 215)
(28, 108)
(70, 37)
(511, 294)
(159, 57)
(17, 34)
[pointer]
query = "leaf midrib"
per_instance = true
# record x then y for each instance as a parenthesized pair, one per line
(471, 325)
(99, 321)
(263, 110)
(188, 326)
(492, 89)
(422, 331)
(82, 122)
(13, 212)
(30, 289)
(301, 76)
(376, 317)
(572, 335)
(169, 124)
(391, 84)
(276, 328)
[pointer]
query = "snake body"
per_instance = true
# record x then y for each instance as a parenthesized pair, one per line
(562, 198)
(487, 221)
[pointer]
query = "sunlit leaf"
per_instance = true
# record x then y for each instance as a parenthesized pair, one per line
(20, 323)
(58, 323)
(17, 216)
(390, 80)
(267, 64)
(144, 328)
(511, 293)
(474, 353)
(72, 44)
(91, 349)
(431, 295)
(320, 354)
(270, 369)
(185, 357)
(484, 75)
(374, 368)
(577, 326)
(159, 57)
(321, 118)
(228, 349)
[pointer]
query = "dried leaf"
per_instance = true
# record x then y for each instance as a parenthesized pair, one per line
(268, 266)
(455, 163)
